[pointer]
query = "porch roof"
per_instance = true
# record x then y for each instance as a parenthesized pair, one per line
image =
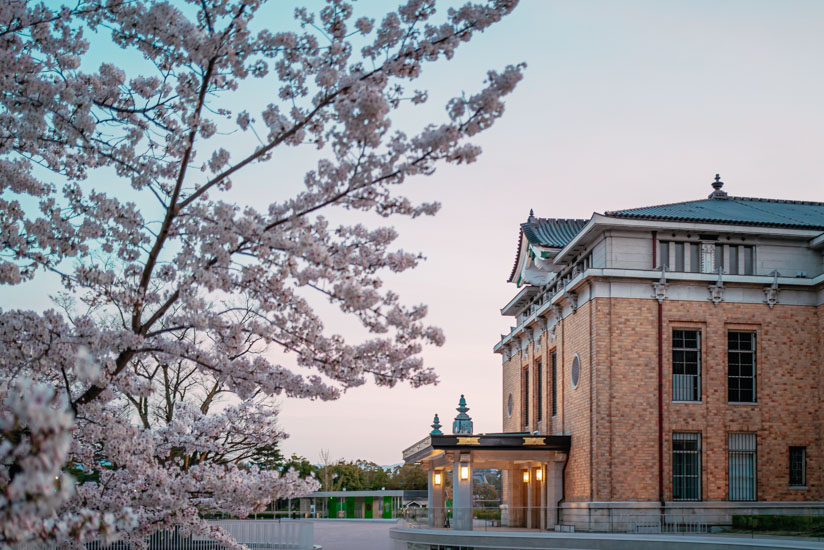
(435, 445)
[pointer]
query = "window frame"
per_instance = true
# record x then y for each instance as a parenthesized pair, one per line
(803, 483)
(697, 477)
(554, 383)
(699, 362)
(740, 439)
(525, 400)
(539, 388)
(754, 377)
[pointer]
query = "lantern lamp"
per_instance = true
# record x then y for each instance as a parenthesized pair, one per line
(464, 472)
(539, 474)
(437, 478)
(526, 476)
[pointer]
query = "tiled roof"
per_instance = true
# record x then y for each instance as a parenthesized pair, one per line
(551, 232)
(738, 210)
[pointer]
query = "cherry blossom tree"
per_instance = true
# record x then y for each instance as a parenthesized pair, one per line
(116, 179)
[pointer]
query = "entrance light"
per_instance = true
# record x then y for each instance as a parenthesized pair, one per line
(526, 476)
(539, 474)
(437, 478)
(464, 472)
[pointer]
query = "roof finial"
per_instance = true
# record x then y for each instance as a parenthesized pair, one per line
(531, 215)
(716, 186)
(436, 426)
(462, 423)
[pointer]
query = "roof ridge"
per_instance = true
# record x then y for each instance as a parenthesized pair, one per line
(575, 220)
(783, 201)
(729, 198)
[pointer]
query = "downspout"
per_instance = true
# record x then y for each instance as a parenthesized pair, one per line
(591, 405)
(660, 381)
(563, 491)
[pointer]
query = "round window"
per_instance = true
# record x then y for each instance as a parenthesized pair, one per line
(576, 372)
(510, 404)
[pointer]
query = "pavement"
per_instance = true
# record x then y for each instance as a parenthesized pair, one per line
(353, 535)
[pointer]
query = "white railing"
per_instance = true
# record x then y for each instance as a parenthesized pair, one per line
(255, 534)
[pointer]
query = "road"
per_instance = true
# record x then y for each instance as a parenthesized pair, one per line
(353, 535)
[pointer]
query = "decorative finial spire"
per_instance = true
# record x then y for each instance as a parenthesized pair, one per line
(717, 185)
(436, 426)
(462, 423)
(531, 215)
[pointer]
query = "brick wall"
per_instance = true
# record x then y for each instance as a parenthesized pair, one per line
(612, 414)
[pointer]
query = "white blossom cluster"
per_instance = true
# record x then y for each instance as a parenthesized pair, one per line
(181, 298)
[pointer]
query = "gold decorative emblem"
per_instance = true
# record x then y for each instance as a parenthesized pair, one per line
(534, 441)
(469, 441)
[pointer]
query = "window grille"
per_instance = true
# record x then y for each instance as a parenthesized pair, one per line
(686, 466)
(741, 367)
(686, 365)
(742, 454)
(554, 384)
(798, 466)
(525, 400)
(540, 390)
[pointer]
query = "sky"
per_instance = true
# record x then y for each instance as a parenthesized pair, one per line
(623, 104)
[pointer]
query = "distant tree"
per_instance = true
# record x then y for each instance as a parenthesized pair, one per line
(268, 457)
(375, 477)
(409, 477)
(301, 465)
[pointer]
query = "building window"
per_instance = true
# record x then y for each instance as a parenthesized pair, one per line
(663, 248)
(510, 404)
(742, 466)
(686, 466)
(695, 257)
(798, 466)
(749, 260)
(575, 374)
(525, 399)
(686, 365)
(741, 367)
(679, 256)
(539, 388)
(554, 384)
(733, 260)
(719, 257)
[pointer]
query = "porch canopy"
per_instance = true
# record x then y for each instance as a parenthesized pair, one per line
(532, 465)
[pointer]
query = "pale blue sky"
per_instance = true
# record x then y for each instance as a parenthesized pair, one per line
(623, 104)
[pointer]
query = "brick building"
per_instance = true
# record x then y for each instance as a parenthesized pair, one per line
(679, 347)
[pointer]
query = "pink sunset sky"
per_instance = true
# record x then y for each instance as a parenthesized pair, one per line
(623, 104)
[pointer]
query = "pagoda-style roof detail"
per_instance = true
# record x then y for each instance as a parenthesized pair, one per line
(551, 232)
(547, 233)
(737, 210)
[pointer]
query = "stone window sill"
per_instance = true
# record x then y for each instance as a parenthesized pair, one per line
(798, 488)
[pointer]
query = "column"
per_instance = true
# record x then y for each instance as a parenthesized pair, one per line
(462, 492)
(530, 499)
(554, 488)
(542, 492)
(435, 501)
(516, 502)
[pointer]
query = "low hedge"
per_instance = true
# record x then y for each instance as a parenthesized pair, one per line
(775, 522)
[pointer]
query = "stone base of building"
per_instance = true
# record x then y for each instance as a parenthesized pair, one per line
(673, 517)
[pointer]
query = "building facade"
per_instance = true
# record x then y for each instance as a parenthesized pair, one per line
(680, 347)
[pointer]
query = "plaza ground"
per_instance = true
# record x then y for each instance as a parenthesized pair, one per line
(353, 535)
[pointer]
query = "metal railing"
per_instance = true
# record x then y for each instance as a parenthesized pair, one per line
(254, 534)
(752, 521)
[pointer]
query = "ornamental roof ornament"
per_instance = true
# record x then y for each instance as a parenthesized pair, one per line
(436, 426)
(462, 423)
(717, 185)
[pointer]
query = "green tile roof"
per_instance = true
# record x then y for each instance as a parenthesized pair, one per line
(736, 210)
(551, 232)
